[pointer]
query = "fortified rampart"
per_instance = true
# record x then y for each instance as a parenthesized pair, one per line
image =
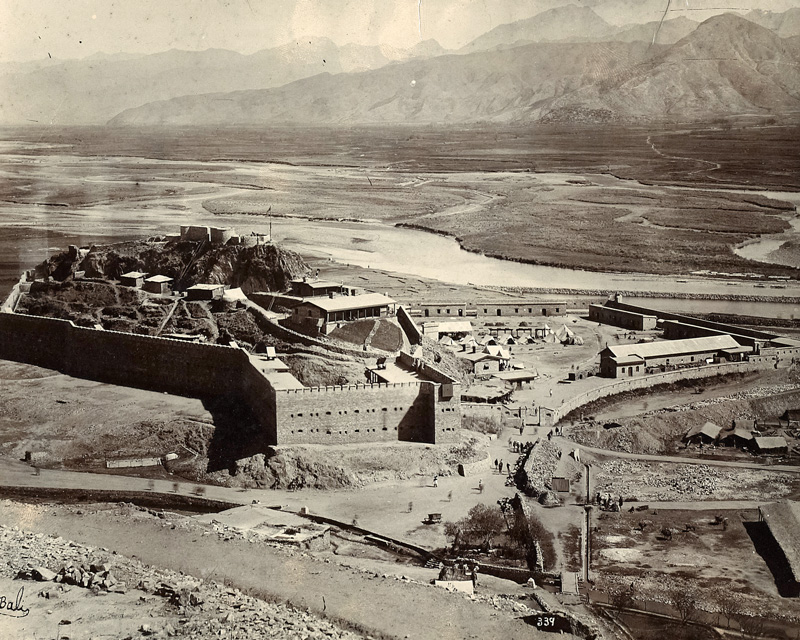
(418, 411)
(146, 362)
(357, 413)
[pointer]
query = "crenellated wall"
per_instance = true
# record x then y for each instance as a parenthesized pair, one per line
(417, 411)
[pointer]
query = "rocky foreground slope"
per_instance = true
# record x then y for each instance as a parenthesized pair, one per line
(127, 598)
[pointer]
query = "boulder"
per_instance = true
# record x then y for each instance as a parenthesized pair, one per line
(43, 574)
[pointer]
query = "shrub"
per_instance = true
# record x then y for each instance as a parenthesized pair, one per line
(482, 424)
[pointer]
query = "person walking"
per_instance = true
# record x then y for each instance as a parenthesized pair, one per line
(436, 481)
(480, 486)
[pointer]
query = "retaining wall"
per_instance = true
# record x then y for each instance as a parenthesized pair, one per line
(550, 417)
(408, 326)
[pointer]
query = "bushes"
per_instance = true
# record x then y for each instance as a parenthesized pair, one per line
(481, 424)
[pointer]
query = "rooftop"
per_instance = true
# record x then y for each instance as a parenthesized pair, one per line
(345, 303)
(159, 279)
(282, 380)
(770, 442)
(133, 274)
(206, 287)
(708, 429)
(392, 373)
(666, 348)
(517, 375)
(456, 326)
(318, 284)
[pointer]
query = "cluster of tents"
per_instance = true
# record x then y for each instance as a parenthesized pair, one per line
(563, 335)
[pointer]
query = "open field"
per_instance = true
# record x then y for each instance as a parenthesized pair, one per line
(630, 549)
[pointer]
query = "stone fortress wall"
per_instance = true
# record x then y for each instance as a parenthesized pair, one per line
(421, 411)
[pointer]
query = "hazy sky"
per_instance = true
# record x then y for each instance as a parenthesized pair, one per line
(77, 28)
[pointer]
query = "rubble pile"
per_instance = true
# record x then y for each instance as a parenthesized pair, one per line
(636, 480)
(97, 577)
(193, 608)
(756, 392)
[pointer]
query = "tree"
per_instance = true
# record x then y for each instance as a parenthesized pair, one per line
(685, 602)
(729, 605)
(480, 526)
(622, 599)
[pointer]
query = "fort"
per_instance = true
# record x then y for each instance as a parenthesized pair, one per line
(422, 407)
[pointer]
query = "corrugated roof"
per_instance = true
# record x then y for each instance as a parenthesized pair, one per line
(771, 442)
(666, 348)
(346, 303)
(783, 520)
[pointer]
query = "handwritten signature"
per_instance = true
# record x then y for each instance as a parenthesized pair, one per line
(14, 607)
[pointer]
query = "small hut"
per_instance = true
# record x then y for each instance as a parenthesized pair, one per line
(705, 434)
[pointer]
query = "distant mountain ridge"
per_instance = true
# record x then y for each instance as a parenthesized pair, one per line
(564, 23)
(728, 65)
(94, 89)
(609, 81)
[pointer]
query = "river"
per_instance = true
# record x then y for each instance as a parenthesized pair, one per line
(31, 232)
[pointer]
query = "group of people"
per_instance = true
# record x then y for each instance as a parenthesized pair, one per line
(498, 466)
(516, 446)
(608, 503)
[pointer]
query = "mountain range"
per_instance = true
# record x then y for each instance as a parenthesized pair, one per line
(728, 65)
(565, 63)
(94, 89)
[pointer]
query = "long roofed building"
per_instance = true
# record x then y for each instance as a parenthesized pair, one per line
(624, 361)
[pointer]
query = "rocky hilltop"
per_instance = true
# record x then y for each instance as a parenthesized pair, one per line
(263, 267)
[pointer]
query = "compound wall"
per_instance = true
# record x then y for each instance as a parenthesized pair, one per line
(419, 411)
(550, 417)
